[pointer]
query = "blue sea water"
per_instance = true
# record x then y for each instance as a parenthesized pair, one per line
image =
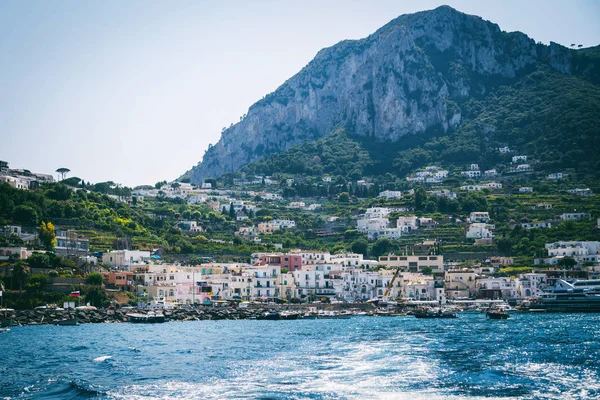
(542, 356)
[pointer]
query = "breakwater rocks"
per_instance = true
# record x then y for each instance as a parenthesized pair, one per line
(200, 313)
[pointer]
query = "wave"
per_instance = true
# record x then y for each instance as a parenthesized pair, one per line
(102, 358)
(61, 389)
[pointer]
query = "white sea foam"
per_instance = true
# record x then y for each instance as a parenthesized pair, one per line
(102, 358)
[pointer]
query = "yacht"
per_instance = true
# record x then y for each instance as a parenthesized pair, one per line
(577, 296)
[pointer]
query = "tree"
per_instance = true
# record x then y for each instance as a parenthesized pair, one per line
(567, 262)
(47, 235)
(96, 296)
(420, 198)
(231, 211)
(360, 246)
(25, 215)
(63, 172)
(382, 246)
(39, 261)
(19, 275)
(344, 197)
(95, 279)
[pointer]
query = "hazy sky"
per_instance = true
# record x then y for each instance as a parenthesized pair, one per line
(134, 91)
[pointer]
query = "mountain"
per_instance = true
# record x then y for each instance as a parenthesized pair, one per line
(433, 71)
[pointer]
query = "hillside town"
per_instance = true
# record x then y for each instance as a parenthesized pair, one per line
(393, 248)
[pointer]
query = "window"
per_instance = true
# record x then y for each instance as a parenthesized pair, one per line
(171, 277)
(422, 258)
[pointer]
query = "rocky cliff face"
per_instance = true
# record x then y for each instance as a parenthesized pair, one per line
(409, 76)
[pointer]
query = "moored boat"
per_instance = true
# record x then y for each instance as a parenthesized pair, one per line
(68, 322)
(289, 315)
(149, 318)
(424, 313)
(333, 315)
(270, 316)
(496, 314)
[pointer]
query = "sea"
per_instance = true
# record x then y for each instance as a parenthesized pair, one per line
(529, 356)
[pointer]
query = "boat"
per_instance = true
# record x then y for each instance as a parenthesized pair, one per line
(68, 322)
(286, 315)
(496, 313)
(149, 318)
(440, 313)
(333, 315)
(576, 296)
(270, 316)
(5, 320)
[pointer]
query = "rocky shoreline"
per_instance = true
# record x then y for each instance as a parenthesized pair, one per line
(200, 313)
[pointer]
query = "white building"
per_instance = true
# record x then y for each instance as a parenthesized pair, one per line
(16, 182)
(575, 216)
(311, 257)
(479, 216)
(271, 196)
(479, 231)
(499, 288)
(391, 194)
(377, 212)
(531, 285)
(284, 223)
(413, 263)
(572, 249)
(517, 159)
(471, 173)
(367, 225)
(348, 259)
(581, 192)
(407, 224)
(125, 259)
(536, 225)
(557, 175)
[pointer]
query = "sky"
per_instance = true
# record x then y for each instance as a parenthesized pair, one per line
(135, 91)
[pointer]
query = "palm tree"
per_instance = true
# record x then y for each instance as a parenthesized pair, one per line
(63, 172)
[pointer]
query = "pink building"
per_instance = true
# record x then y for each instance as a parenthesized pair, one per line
(288, 261)
(119, 279)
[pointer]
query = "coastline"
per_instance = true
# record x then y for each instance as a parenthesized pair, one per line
(199, 313)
